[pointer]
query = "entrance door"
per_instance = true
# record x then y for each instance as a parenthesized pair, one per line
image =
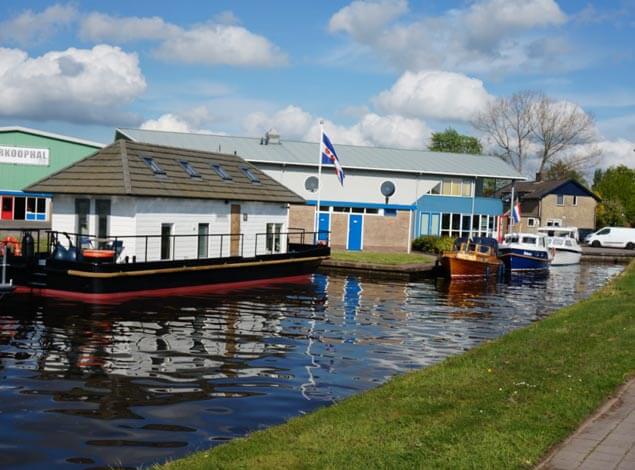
(234, 243)
(166, 241)
(323, 226)
(7, 208)
(203, 240)
(354, 232)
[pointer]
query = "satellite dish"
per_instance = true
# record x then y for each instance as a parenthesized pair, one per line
(387, 188)
(311, 184)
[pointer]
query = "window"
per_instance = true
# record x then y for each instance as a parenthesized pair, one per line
(575, 200)
(529, 240)
(203, 239)
(273, 238)
(154, 166)
(102, 208)
(341, 209)
(357, 210)
(436, 189)
(250, 174)
(19, 208)
(560, 200)
(390, 212)
(370, 210)
(554, 223)
(7, 208)
(455, 187)
(166, 241)
(604, 231)
(189, 169)
(82, 208)
(467, 188)
(531, 222)
(220, 171)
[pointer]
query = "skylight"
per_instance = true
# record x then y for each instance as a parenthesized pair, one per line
(249, 174)
(154, 166)
(220, 171)
(189, 169)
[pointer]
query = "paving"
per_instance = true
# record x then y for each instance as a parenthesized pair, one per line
(606, 441)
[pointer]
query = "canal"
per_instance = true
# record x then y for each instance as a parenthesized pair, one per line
(145, 381)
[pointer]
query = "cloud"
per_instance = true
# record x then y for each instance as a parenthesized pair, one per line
(434, 94)
(617, 152)
(29, 27)
(486, 36)
(75, 85)
(195, 120)
(214, 43)
(293, 123)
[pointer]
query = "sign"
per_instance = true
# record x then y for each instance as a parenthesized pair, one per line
(24, 155)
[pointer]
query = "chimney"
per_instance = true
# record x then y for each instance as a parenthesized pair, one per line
(272, 137)
(540, 176)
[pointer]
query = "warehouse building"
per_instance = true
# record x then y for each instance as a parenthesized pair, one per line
(26, 156)
(389, 195)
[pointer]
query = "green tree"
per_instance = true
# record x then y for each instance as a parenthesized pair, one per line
(616, 187)
(560, 170)
(451, 141)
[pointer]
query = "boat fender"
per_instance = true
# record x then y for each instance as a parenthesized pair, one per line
(12, 244)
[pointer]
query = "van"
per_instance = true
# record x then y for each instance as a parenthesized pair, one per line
(612, 237)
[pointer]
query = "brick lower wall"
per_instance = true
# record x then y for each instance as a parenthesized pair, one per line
(387, 233)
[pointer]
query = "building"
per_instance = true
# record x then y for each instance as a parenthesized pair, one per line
(560, 203)
(389, 195)
(26, 156)
(163, 203)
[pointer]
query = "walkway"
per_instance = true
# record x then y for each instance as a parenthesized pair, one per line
(606, 441)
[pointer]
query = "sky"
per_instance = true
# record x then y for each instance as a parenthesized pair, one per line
(380, 73)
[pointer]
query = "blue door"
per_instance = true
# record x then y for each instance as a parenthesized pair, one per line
(354, 232)
(323, 226)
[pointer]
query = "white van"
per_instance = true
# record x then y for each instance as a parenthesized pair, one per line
(613, 237)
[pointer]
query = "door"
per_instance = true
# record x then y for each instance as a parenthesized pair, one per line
(324, 225)
(434, 224)
(234, 243)
(166, 241)
(355, 232)
(7, 208)
(102, 207)
(203, 240)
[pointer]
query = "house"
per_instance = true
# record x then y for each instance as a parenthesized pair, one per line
(165, 203)
(389, 195)
(26, 156)
(557, 203)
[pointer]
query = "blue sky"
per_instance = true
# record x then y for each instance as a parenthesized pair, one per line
(385, 72)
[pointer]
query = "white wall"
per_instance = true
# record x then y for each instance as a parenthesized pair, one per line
(359, 185)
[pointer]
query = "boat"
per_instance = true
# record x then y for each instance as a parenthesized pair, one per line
(6, 288)
(525, 252)
(475, 257)
(71, 268)
(563, 244)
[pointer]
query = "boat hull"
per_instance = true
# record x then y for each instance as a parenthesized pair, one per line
(459, 265)
(519, 259)
(565, 257)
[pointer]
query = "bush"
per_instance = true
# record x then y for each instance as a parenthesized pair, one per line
(432, 244)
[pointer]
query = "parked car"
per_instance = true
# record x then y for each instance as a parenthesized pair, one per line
(612, 237)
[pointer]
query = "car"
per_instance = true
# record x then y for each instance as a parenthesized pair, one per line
(612, 237)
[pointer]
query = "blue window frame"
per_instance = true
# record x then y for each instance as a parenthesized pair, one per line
(154, 166)
(220, 171)
(250, 174)
(189, 169)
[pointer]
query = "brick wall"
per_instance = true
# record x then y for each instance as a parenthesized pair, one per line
(387, 233)
(582, 215)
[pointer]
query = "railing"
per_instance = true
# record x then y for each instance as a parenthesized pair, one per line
(143, 248)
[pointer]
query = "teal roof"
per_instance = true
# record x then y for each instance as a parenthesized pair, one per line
(290, 152)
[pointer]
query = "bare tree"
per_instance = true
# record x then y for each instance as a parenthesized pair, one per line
(508, 123)
(564, 133)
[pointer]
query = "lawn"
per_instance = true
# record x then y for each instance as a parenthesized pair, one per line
(500, 405)
(381, 258)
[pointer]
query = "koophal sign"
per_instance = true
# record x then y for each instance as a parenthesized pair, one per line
(24, 155)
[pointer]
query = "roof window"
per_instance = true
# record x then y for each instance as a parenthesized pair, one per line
(250, 174)
(220, 171)
(189, 169)
(154, 166)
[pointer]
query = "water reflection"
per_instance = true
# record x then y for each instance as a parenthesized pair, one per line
(154, 379)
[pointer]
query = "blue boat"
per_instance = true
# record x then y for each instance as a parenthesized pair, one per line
(524, 252)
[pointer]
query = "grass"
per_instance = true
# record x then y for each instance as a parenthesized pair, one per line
(381, 258)
(500, 405)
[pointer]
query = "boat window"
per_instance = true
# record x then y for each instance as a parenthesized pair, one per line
(250, 174)
(154, 166)
(529, 240)
(189, 169)
(511, 239)
(568, 243)
(220, 171)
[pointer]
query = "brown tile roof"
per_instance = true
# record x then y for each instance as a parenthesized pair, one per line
(119, 169)
(539, 189)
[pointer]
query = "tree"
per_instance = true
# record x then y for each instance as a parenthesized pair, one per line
(508, 123)
(616, 187)
(451, 141)
(560, 170)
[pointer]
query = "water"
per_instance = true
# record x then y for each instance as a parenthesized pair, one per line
(145, 381)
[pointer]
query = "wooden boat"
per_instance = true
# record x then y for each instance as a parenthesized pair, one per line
(472, 258)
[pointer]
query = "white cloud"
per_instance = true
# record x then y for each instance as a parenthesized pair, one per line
(487, 36)
(434, 94)
(196, 120)
(29, 27)
(290, 122)
(617, 152)
(75, 85)
(167, 122)
(213, 43)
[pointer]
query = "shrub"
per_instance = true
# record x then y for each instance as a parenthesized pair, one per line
(432, 244)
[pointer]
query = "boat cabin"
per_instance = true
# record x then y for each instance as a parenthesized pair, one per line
(526, 239)
(137, 202)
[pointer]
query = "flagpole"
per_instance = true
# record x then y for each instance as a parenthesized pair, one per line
(319, 190)
(511, 209)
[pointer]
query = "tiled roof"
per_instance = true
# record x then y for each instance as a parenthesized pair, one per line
(119, 169)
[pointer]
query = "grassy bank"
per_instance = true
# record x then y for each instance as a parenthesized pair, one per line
(392, 259)
(500, 405)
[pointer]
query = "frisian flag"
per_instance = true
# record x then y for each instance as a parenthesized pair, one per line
(329, 157)
(516, 213)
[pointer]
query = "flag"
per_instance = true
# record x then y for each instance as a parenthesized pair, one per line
(329, 157)
(516, 213)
